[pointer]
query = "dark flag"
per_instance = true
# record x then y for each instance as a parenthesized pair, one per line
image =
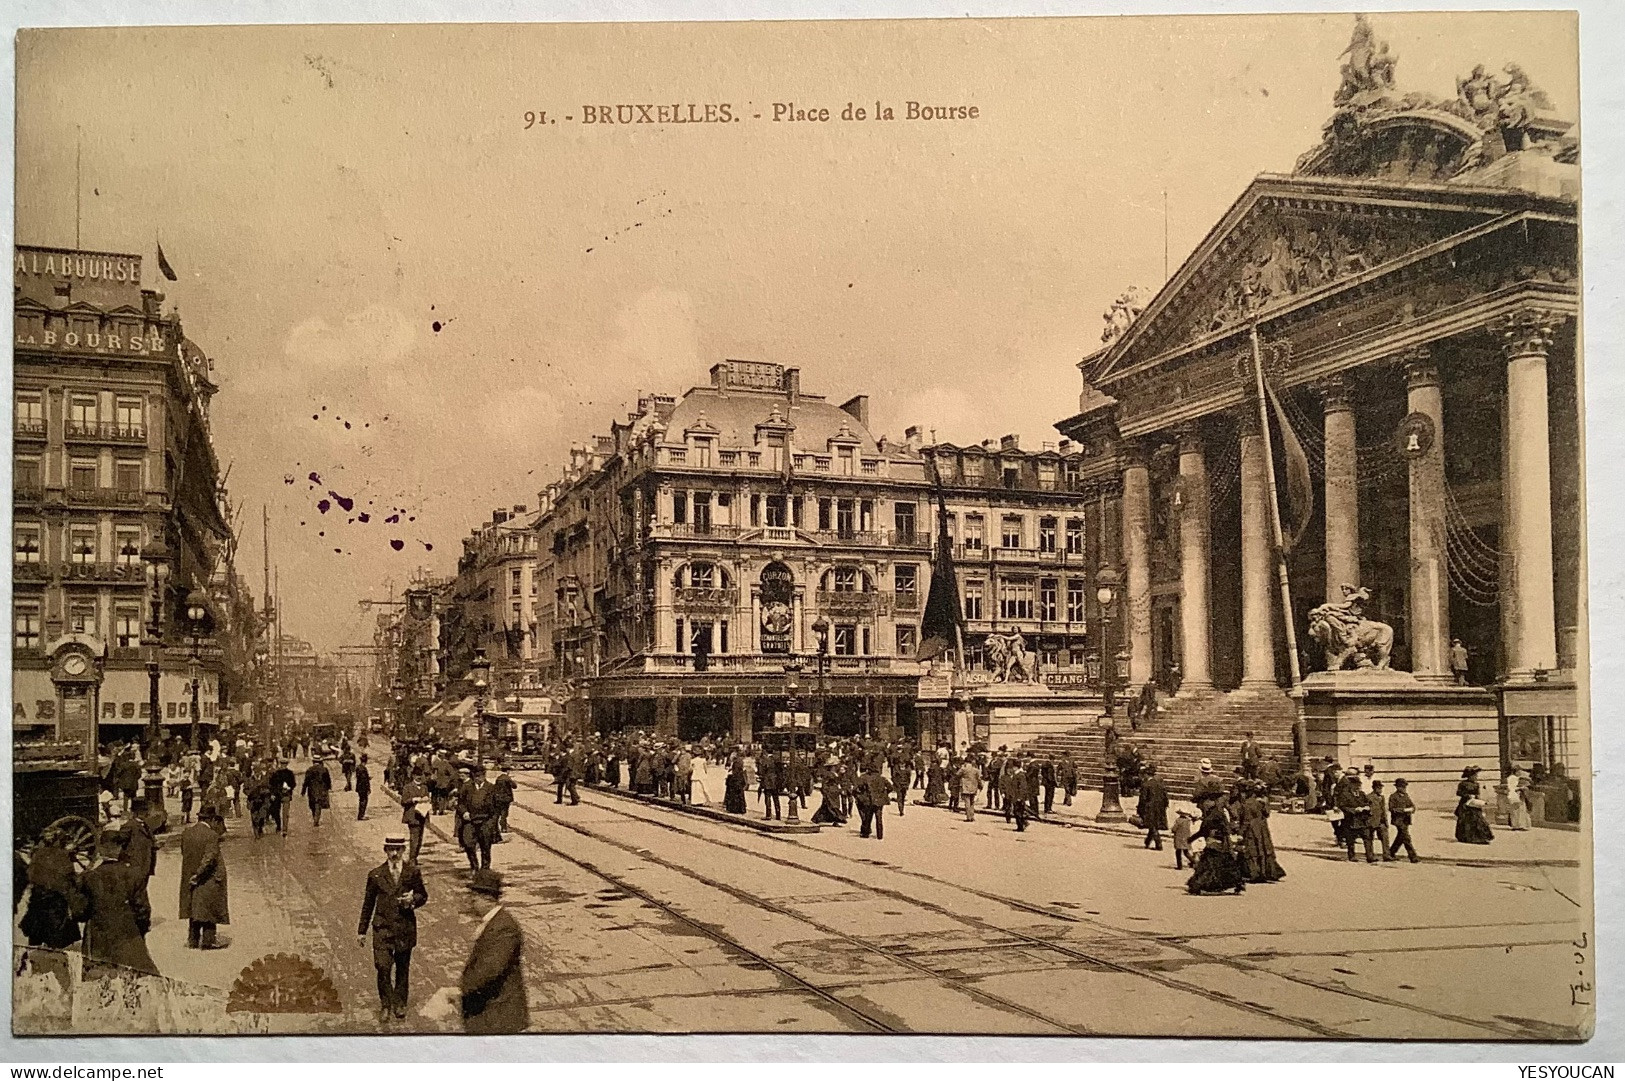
(1300, 490)
(163, 265)
(943, 620)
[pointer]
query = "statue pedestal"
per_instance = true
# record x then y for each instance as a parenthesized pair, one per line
(1423, 731)
(1017, 713)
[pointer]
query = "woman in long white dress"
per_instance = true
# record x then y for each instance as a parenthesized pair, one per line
(1517, 808)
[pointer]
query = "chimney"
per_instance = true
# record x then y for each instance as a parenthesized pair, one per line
(1066, 446)
(518, 509)
(911, 437)
(719, 375)
(498, 517)
(792, 384)
(857, 407)
(1009, 442)
(987, 444)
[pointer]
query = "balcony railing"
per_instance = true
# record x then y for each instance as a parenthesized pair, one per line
(692, 530)
(106, 431)
(773, 664)
(856, 537)
(840, 603)
(908, 601)
(26, 571)
(707, 597)
(909, 538)
(27, 492)
(28, 428)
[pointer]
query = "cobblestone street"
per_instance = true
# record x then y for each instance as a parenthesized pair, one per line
(640, 918)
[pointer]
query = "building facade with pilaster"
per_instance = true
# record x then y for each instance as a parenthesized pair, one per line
(111, 454)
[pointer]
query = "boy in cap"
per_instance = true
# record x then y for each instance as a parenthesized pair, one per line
(1400, 810)
(395, 892)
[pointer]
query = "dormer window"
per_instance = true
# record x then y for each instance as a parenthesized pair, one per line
(702, 451)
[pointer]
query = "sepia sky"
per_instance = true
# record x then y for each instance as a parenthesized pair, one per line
(328, 195)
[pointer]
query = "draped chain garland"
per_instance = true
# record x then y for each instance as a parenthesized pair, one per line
(1474, 565)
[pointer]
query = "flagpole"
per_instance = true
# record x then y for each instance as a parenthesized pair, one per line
(78, 181)
(1300, 732)
(1275, 508)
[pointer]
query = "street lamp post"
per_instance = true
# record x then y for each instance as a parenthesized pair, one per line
(196, 611)
(792, 687)
(1111, 810)
(156, 558)
(480, 669)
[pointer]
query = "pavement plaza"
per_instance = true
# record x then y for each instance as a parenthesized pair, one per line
(639, 918)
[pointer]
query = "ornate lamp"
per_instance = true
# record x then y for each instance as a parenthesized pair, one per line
(1106, 583)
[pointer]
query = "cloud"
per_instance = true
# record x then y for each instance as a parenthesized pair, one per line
(658, 332)
(376, 336)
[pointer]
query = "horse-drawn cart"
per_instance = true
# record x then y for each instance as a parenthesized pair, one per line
(56, 800)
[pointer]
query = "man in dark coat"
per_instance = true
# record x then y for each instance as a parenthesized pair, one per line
(282, 784)
(493, 980)
(415, 807)
(363, 788)
(1352, 800)
(1013, 781)
(204, 892)
(504, 794)
(317, 789)
(872, 795)
(394, 894)
(140, 846)
(118, 914)
(1250, 757)
(902, 775)
(1153, 808)
(477, 819)
(347, 764)
(1047, 778)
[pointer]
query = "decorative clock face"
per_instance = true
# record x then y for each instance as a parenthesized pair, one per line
(74, 665)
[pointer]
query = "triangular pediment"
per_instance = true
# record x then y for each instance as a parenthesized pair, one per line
(1289, 239)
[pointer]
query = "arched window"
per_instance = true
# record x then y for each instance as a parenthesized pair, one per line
(701, 575)
(848, 580)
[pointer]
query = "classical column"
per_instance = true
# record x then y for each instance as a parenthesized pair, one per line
(741, 718)
(1195, 556)
(1342, 489)
(1257, 565)
(1137, 554)
(1430, 587)
(1528, 613)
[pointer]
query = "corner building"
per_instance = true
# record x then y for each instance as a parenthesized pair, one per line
(728, 522)
(111, 452)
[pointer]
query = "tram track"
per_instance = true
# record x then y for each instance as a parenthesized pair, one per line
(1069, 951)
(1179, 943)
(745, 896)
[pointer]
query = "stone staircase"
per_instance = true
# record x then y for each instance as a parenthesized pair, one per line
(1186, 730)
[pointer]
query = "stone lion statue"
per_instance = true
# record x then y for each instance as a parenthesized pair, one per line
(1346, 635)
